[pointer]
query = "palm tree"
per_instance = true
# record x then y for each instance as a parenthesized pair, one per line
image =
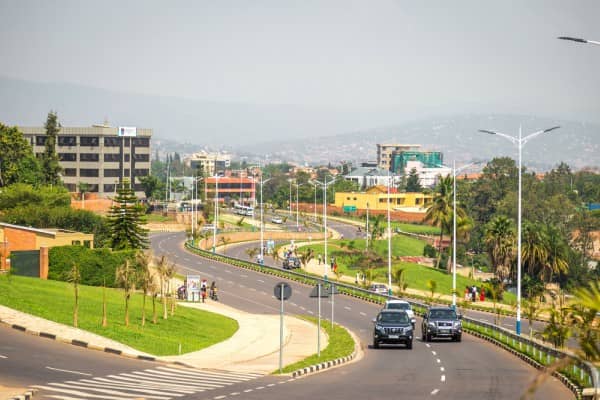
(534, 250)
(400, 279)
(306, 257)
(557, 252)
(439, 212)
(531, 310)
(224, 241)
(252, 252)
(585, 309)
(125, 277)
(500, 242)
(143, 261)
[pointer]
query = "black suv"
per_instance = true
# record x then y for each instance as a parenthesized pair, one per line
(392, 327)
(441, 322)
(291, 262)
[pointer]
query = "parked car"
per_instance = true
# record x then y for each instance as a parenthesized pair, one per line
(401, 305)
(379, 288)
(392, 327)
(291, 263)
(441, 322)
(277, 220)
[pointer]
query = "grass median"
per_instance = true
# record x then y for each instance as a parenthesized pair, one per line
(340, 345)
(191, 329)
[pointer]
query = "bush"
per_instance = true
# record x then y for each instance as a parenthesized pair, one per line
(429, 251)
(96, 264)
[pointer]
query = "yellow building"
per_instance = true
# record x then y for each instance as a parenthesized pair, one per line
(376, 198)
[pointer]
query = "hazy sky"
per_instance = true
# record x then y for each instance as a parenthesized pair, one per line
(470, 56)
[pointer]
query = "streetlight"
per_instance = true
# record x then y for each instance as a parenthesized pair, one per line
(262, 224)
(290, 200)
(520, 142)
(389, 234)
(216, 213)
(578, 40)
(454, 171)
(324, 185)
(297, 186)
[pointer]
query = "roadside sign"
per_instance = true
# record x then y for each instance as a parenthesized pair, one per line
(349, 208)
(287, 291)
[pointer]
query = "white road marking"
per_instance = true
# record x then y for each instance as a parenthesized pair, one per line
(1, 356)
(310, 312)
(270, 385)
(260, 280)
(234, 393)
(443, 378)
(302, 308)
(427, 344)
(442, 369)
(71, 372)
(363, 314)
(260, 387)
(433, 352)
(294, 304)
(228, 271)
(438, 361)
(434, 392)
(219, 397)
(248, 390)
(244, 276)
(348, 308)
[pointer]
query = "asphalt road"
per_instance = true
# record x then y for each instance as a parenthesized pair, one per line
(471, 369)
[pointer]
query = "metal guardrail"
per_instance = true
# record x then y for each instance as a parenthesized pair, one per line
(584, 372)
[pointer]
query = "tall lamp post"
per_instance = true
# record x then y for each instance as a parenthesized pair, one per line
(519, 142)
(216, 213)
(389, 234)
(297, 221)
(454, 171)
(324, 185)
(262, 223)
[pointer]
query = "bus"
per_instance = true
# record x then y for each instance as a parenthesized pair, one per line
(243, 210)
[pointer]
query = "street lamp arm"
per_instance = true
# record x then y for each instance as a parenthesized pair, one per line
(534, 134)
(512, 139)
(578, 40)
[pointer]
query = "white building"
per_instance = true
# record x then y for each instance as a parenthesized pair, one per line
(428, 177)
(210, 163)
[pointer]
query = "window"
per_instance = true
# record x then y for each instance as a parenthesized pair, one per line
(87, 243)
(76, 242)
(40, 140)
(89, 157)
(141, 157)
(354, 198)
(67, 141)
(112, 141)
(140, 172)
(347, 198)
(67, 156)
(109, 188)
(141, 142)
(71, 187)
(91, 141)
(112, 157)
(138, 187)
(126, 141)
(126, 172)
(112, 173)
(70, 172)
(127, 158)
(88, 172)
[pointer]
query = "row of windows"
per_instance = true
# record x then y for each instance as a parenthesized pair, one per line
(107, 173)
(71, 187)
(93, 157)
(94, 141)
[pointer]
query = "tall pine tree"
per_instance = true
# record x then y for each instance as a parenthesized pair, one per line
(412, 183)
(50, 165)
(125, 220)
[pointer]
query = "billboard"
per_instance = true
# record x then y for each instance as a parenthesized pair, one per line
(127, 131)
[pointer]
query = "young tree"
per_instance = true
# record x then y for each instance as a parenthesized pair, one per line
(400, 280)
(164, 268)
(126, 278)
(75, 278)
(125, 220)
(104, 319)
(145, 278)
(50, 165)
(439, 212)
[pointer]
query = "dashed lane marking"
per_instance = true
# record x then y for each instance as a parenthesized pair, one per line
(348, 308)
(438, 360)
(260, 280)
(427, 344)
(443, 378)
(433, 352)
(363, 314)
(442, 369)
(434, 392)
(1, 356)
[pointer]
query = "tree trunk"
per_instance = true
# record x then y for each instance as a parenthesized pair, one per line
(143, 308)
(126, 310)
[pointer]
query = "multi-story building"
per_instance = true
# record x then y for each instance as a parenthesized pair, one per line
(384, 153)
(99, 156)
(240, 189)
(377, 198)
(210, 163)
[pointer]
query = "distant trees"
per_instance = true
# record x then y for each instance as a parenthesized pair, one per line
(17, 161)
(412, 182)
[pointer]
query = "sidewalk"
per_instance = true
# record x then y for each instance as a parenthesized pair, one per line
(254, 346)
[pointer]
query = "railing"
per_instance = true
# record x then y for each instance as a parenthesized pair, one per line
(576, 373)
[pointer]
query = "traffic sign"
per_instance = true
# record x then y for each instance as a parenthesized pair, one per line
(287, 291)
(349, 208)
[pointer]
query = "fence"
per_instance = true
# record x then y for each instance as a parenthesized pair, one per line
(576, 373)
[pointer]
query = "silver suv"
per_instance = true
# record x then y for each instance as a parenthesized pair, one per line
(401, 305)
(441, 322)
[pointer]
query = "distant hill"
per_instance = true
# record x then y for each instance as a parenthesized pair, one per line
(297, 133)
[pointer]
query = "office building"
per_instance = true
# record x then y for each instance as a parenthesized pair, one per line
(209, 163)
(100, 156)
(385, 151)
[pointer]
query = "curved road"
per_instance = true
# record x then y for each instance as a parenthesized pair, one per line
(471, 369)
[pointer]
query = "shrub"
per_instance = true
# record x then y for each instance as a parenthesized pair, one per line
(429, 251)
(96, 264)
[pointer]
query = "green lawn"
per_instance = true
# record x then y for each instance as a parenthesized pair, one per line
(53, 300)
(415, 228)
(401, 246)
(159, 218)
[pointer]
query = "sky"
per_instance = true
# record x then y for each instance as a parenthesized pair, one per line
(418, 56)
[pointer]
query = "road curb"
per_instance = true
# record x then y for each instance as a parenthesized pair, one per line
(92, 346)
(25, 396)
(534, 363)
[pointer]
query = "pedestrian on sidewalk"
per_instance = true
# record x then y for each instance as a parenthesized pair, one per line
(357, 278)
(203, 287)
(319, 259)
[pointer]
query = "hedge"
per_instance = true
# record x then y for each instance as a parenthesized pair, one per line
(95, 264)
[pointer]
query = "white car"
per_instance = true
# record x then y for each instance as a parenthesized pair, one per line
(379, 288)
(401, 305)
(276, 220)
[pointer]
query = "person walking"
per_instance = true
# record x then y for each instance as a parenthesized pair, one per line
(319, 259)
(203, 288)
